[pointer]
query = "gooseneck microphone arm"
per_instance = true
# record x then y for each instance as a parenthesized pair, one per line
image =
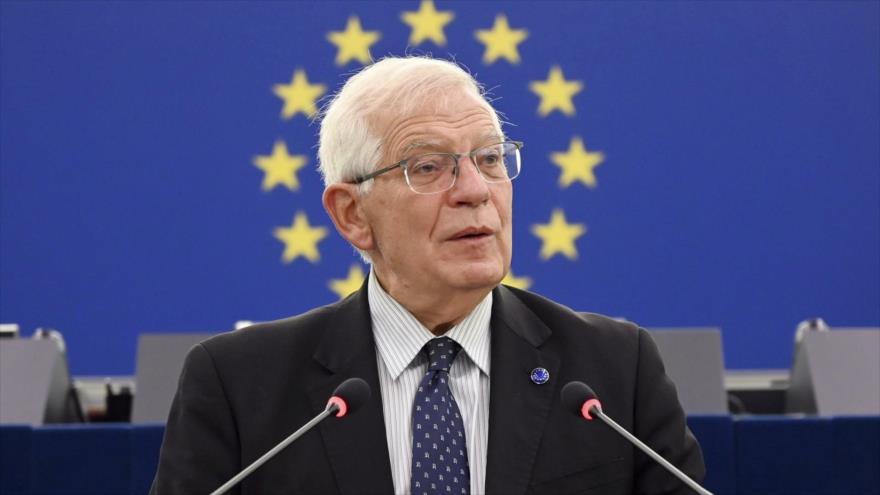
(648, 450)
(278, 448)
(348, 396)
(579, 397)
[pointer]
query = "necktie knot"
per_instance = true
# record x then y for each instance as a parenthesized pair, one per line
(441, 352)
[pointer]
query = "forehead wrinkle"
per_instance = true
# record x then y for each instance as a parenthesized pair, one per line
(420, 143)
(492, 136)
(422, 137)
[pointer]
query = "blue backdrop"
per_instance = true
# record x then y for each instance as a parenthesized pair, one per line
(709, 163)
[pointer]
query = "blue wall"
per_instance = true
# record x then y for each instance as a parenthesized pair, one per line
(740, 185)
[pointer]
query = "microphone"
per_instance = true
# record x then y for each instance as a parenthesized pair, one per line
(580, 399)
(348, 397)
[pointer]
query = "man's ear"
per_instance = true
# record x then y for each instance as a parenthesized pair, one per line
(344, 205)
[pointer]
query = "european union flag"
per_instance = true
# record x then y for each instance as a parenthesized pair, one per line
(685, 164)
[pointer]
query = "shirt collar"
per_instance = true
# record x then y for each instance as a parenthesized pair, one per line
(400, 336)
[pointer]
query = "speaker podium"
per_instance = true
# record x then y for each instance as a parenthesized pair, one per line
(695, 362)
(836, 373)
(160, 359)
(34, 383)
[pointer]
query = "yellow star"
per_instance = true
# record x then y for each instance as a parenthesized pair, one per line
(501, 41)
(556, 93)
(558, 236)
(427, 23)
(344, 287)
(280, 167)
(577, 164)
(353, 43)
(300, 239)
(517, 282)
(299, 95)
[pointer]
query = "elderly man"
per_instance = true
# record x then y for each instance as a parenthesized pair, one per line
(465, 373)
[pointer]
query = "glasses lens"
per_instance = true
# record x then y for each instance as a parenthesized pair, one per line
(435, 172)
(430, 173)
(499, 162)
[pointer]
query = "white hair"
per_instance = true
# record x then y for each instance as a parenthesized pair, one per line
(350, 144)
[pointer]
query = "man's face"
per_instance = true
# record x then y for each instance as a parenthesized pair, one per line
(458, 239)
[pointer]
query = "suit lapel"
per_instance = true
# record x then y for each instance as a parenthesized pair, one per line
(518, 408)
(356, 445)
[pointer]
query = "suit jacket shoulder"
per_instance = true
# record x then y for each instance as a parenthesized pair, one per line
(284, 339)
(609, 331)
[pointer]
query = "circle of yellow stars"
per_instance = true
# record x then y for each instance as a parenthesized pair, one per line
(501, 41)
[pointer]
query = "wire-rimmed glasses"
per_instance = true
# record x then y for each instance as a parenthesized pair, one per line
(436, 172)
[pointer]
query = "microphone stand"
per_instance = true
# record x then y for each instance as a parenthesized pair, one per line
(331, 408)
(648, 450)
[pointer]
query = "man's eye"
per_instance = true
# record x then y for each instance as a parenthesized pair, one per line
(489, 159)
(426, 167)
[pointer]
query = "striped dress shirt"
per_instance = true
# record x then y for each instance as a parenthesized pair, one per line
(399, 341)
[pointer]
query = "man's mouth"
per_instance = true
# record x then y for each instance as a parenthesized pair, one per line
(472, 233)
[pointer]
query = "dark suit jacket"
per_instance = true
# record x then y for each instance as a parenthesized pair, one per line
(240, 393)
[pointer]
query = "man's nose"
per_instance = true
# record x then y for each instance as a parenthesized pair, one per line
(469, 185)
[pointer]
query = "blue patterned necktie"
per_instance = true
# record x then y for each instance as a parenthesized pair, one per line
(439, 452)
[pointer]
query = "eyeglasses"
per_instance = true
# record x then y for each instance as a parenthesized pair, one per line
(436, 172)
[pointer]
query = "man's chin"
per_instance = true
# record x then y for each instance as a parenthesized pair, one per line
(472, 276)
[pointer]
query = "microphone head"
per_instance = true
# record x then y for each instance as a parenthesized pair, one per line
(349, 396)
(575, 395)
